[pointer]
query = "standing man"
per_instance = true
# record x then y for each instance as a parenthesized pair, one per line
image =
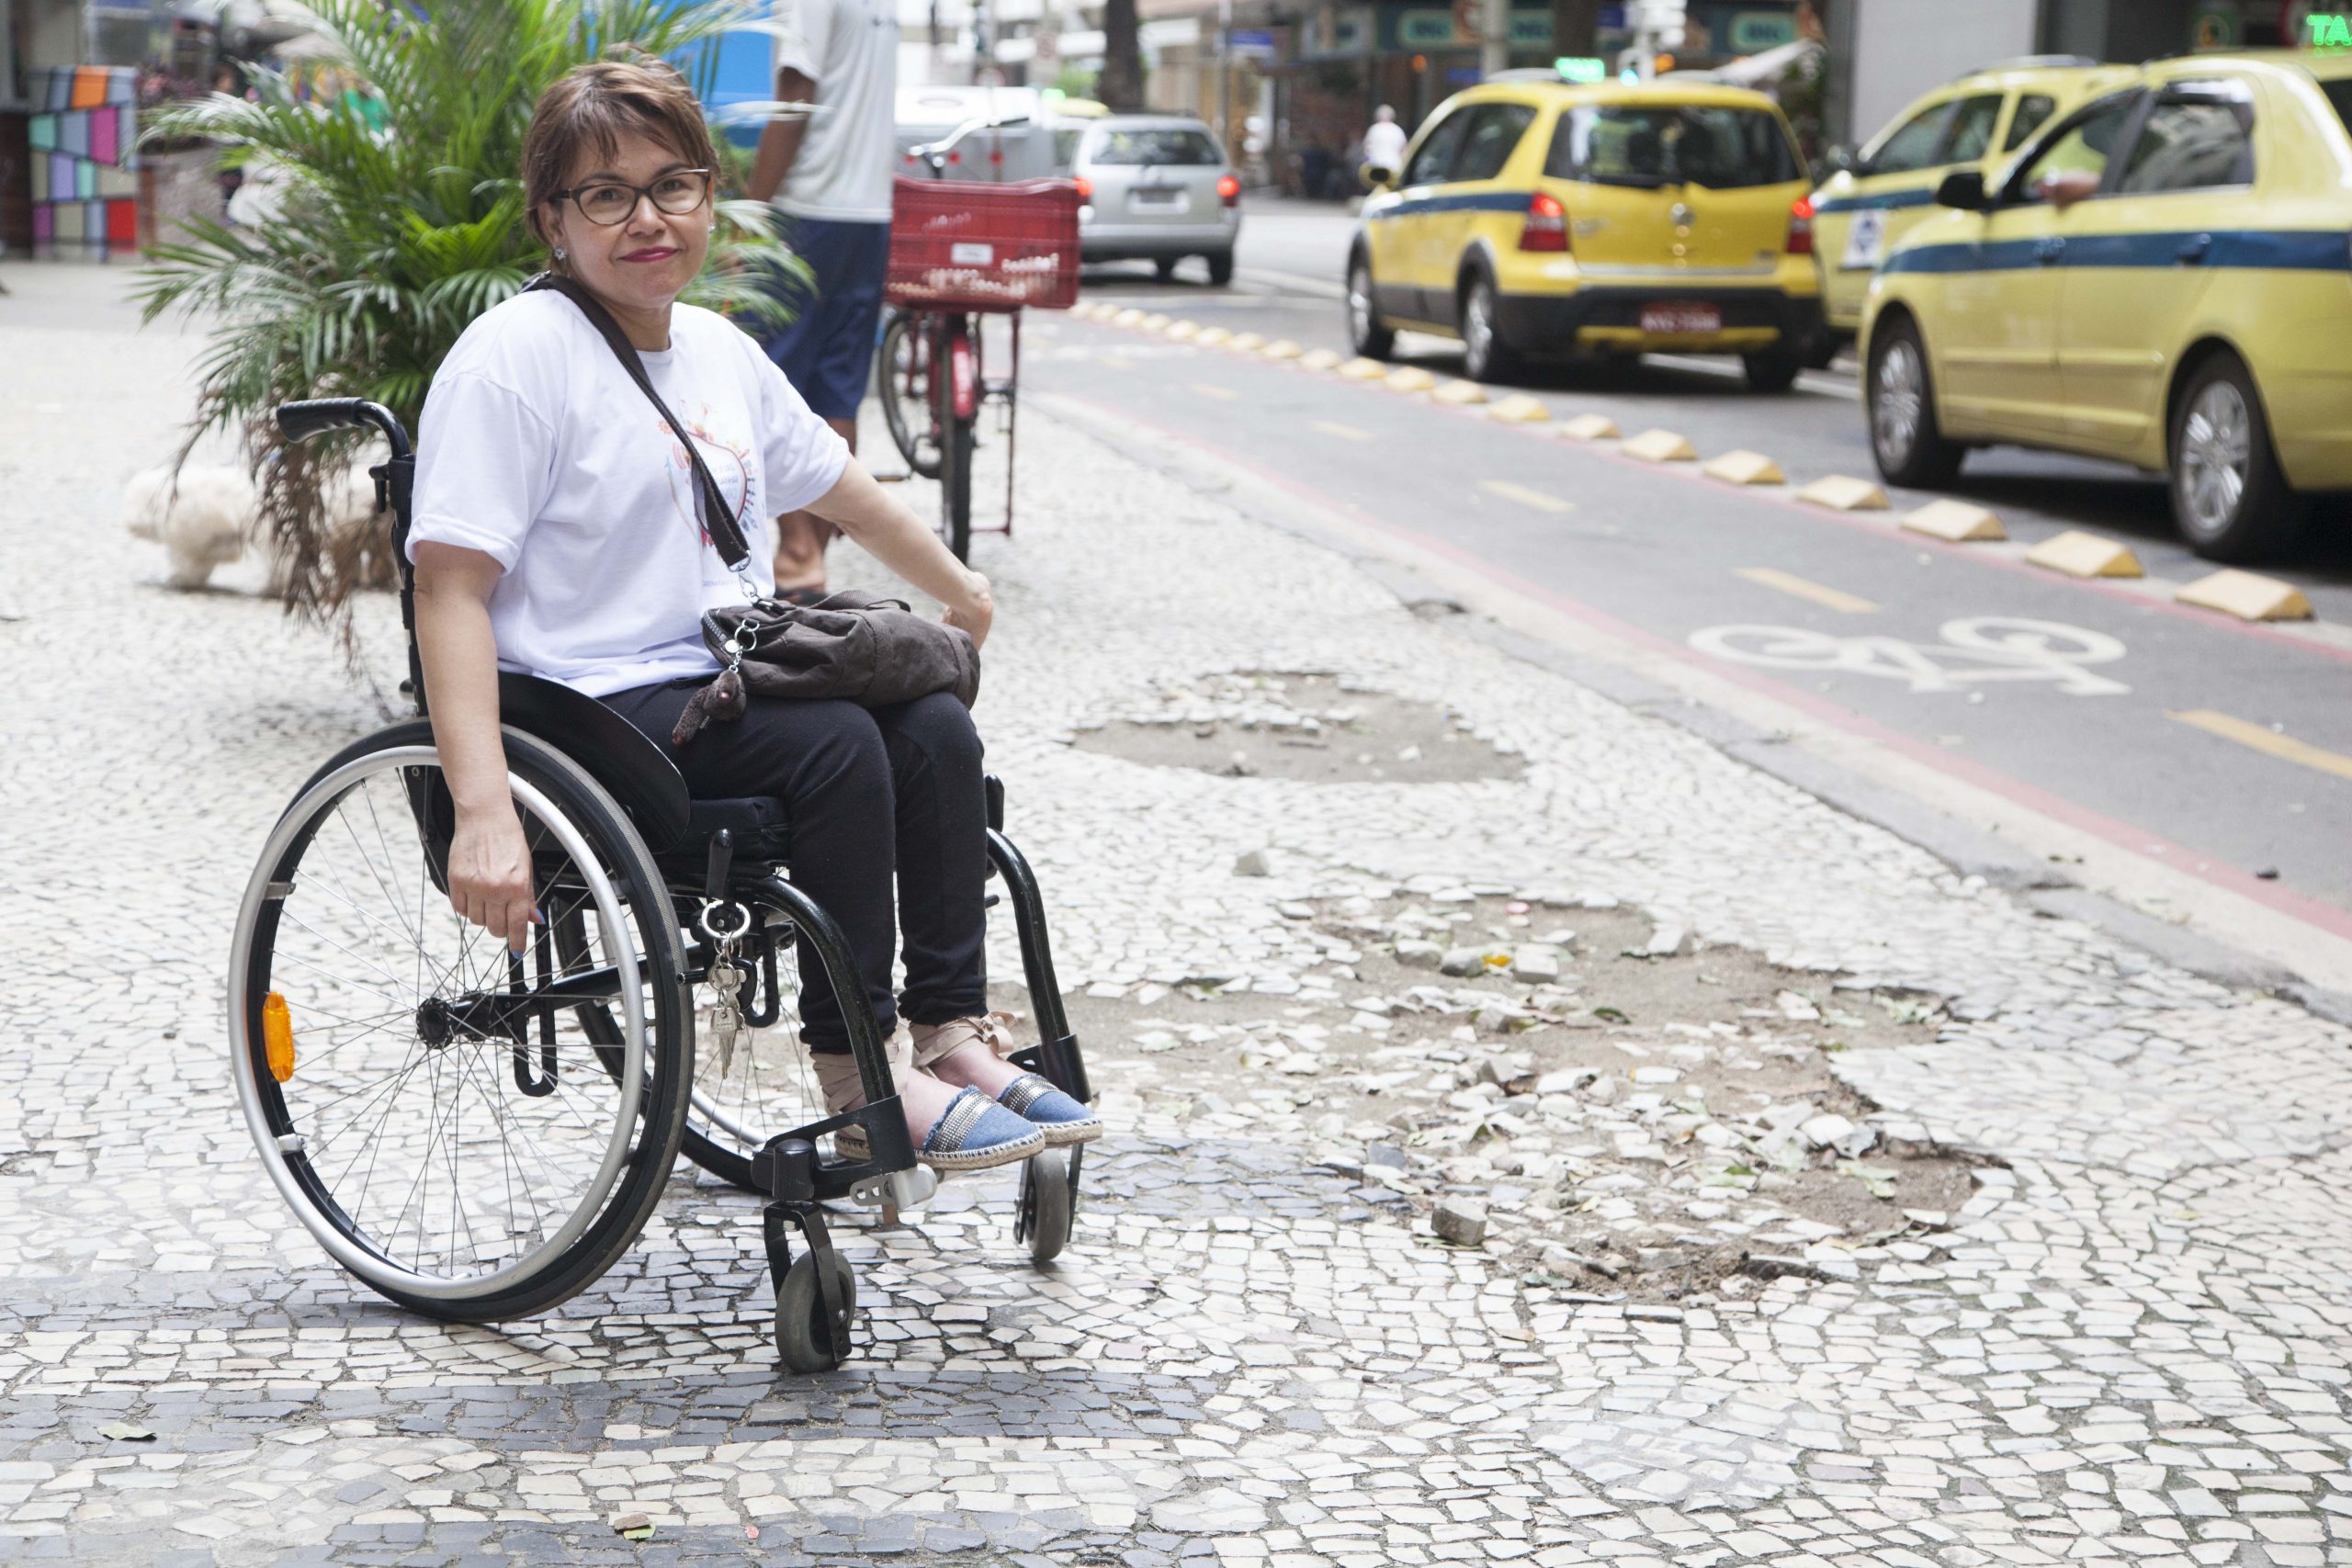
(1384, 143)
(830, 173)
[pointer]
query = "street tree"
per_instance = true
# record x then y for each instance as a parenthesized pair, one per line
(1122, 84)
(400, 221)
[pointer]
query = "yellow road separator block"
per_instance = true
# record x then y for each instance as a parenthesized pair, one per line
(1363, 369)
(1183, 332)
(1659, 447)
(1409, 379)
(1344, 432)
(1589, 427)
(2262, 737)
(1957, 521)
(1520, 409)
(1083, 309)
(1843, 493)
(1246, 343)
(2247, 595)
(2079, 554)
(1154, 322)
(1459, 394)
(1744, 467)
(1215, 337)
(1130, 317)
(1281, 348)
(1210, 389)
(1526, 497)
(1801, 588)
(1319, 359)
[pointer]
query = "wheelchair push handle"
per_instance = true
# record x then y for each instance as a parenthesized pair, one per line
(316, 416)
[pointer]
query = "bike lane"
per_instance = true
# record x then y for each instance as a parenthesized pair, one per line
(2088, 701)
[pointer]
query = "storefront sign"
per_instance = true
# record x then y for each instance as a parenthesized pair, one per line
(2214, 24)
(1420, 28)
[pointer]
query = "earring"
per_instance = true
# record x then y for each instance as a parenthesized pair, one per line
(559, 253)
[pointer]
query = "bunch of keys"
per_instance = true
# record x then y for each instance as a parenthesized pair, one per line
(726, 1018)
(726, 977)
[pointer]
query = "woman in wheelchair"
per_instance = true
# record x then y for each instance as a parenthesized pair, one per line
(556, 532)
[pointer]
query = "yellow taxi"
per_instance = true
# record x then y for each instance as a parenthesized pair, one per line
(1535, 217)
(1974, 121)
(2161, 277)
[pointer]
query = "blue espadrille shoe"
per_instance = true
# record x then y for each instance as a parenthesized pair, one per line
(1063, 1120)
(975, 1134)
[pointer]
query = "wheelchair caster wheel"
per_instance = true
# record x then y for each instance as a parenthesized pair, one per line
(1048, 1202)
(802, 1341)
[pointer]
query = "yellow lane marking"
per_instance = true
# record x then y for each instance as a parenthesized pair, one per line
(2285, 748)
(1526, 497)
(1222, 394)
(1344, 432)
(1829, 598)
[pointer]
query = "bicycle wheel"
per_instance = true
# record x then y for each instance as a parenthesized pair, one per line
(902, 372)
(429, 1105)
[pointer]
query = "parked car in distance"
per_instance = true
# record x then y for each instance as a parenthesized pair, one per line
(1973, 121)
(2161, 277)
(1155, 187)
(1537, 218)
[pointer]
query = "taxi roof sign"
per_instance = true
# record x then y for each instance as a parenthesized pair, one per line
(1575, 68)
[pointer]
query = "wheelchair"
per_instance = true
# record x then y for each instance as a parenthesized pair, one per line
(480, 1135)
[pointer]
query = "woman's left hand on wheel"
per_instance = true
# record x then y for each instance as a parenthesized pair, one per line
(975, 612)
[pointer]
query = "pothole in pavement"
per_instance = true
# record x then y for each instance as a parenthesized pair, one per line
(1615, 1115)
(1311, 726)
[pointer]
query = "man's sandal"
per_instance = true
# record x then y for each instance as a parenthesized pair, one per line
(1063, 1120)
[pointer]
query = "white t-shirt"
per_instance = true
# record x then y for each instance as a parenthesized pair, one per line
(850, 50)
(1383, 146)
(536, 448)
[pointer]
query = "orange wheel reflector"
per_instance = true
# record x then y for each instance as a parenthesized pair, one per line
(277, 1036)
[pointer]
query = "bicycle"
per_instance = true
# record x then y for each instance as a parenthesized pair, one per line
(961, 250)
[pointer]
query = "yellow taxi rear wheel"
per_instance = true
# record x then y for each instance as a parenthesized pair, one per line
(2230, 499)
(1487, 354)
(1366, 335)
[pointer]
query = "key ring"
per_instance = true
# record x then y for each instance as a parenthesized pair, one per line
(726, 937)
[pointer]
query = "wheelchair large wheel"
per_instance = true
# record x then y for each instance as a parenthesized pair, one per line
(434, 1108)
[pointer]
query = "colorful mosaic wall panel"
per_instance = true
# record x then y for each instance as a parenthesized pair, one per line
(85, 183)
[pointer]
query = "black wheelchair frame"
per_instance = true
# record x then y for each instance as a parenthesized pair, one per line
(726, 855)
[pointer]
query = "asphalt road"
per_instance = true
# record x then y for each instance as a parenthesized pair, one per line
(2222, 746)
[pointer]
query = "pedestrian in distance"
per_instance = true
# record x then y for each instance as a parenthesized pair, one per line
(828, 172)
(557, 534)
(1383, 141)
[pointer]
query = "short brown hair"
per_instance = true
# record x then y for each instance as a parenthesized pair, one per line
(592, 107)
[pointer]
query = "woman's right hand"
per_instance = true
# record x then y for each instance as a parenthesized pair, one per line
(975, 611)
(490, 874)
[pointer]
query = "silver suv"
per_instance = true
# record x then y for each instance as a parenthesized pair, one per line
(1157, 188)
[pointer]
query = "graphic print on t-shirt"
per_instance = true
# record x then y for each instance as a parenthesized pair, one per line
(724, 455)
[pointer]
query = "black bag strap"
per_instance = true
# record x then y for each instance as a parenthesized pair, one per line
(710, 501)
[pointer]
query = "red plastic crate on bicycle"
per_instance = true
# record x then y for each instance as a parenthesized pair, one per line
(964, 245)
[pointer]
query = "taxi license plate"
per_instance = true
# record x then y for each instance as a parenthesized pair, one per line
(1682, 318)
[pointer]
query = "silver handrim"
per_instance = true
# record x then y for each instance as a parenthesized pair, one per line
(2216, 455)
(1360, 318)
(422, 1167)
(1477, 330)
(1900, 396)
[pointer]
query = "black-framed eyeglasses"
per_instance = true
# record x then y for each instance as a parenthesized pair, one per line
(610, 202)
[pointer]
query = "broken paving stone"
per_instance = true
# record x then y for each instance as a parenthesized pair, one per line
(1417, 955)
(1384, 1157)
(1537, 966)
(1253, 863)
(1462, 1221)
(1462, 961)
(636, 1527)
(126, 1432)
(1798, 1007)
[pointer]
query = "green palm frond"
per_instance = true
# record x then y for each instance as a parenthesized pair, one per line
(390, 241)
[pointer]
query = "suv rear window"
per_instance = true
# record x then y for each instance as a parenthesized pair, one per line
(1683, 144)
(1189, 148)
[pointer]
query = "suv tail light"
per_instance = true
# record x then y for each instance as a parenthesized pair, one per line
(1547, 225)
(1228, 189)
(1801, 227)
(1085, 187)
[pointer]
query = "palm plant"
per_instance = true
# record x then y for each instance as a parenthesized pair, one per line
(392, 241)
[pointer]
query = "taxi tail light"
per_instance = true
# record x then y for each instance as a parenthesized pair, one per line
(1801, 227)
(1228, 189)
(1546, 228)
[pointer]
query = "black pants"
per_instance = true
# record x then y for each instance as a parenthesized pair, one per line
(869, 791)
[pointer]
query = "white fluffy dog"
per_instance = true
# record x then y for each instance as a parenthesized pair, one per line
(202, 520)
(213, 515)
